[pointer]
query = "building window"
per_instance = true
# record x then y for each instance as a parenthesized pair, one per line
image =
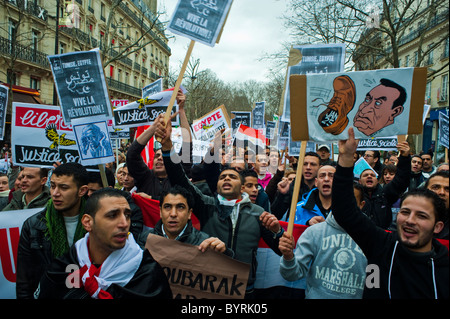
(62, 48)
(111, 71)
(406, 61)
(416, 57)
(12, 29)
(444, 88)
(34, 40)
(428, 92)
(102, 12)
(445, 54)
(35, 83)
(430, 55)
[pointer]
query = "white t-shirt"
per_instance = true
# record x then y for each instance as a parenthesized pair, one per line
(71, 226)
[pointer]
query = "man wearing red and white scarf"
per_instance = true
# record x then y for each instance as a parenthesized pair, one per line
(106, 263)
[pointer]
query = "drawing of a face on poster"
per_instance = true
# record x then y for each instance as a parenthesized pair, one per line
(380, 107)
(376, 103)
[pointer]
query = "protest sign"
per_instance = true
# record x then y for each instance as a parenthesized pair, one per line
(152, 88)
(144, 111)
(443, 129)
(380, 143)
(360, 166)
(40, 136)
(3, 109)
(270, 129)
(200, 21)
(325, 105)
(93, 141)
(308, 59)
(239, 118)
(194, 275)
(258, 115)
(206, 127)
(80, 84)
(10, 226)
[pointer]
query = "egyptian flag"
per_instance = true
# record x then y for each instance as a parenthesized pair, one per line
(256, 139)
(148, 153)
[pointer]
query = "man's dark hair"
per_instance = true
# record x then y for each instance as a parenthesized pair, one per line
(95, 177)
(43, 172)
(248, 173)
(438, 203)
(177, 190)
(76, 170)
(93, 202)
(227, 168)
(402, 97)
(444, 174)
(312, 154)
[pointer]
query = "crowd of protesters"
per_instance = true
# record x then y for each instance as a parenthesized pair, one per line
(391, 216)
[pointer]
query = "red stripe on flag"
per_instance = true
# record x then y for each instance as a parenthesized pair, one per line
(296, 231)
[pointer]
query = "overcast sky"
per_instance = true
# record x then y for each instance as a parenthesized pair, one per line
(253, 28)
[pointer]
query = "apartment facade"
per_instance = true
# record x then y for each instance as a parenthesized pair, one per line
(132, 41)
(423, 43)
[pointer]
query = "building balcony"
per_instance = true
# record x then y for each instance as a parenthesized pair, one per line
(125, 88)
(21, 52)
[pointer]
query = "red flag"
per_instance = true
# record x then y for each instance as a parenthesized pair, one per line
(148, 153)
(150, 211)
(296, 232)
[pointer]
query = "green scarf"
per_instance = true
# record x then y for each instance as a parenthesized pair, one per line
(56, 229)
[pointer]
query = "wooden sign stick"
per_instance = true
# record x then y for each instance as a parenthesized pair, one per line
(101, 168)
(178, 84)
(298, 179)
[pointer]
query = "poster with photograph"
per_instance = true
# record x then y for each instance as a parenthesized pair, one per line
(80, 83)
(3, 108)
(93, 141)
(314, 58)
(201, 21)
(443, 129)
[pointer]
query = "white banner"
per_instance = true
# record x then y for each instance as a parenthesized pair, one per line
(10, 227)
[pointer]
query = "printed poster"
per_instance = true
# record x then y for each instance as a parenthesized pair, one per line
(3, 109)
(40, 136)
(80, 83)
(315, 58)
(201, 21)
(205, 128)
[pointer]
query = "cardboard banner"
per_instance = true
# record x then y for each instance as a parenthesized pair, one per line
(3, 109)
(144, 111)
(308, 59)
(40, 136)
(200, 21)
(10, 227)
(380, 103)
(80, 83)
(194, 275)
(206, 127)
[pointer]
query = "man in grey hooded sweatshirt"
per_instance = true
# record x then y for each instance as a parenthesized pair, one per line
(230, 215)
(332, 263)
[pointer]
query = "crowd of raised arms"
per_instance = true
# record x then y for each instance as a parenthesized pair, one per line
(379, 235)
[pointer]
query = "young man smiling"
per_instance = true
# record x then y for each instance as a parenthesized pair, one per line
(411, 263)
(110, 263)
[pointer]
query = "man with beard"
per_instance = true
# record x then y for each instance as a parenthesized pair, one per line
(410, 263)
(379, 199)
(49, 233)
